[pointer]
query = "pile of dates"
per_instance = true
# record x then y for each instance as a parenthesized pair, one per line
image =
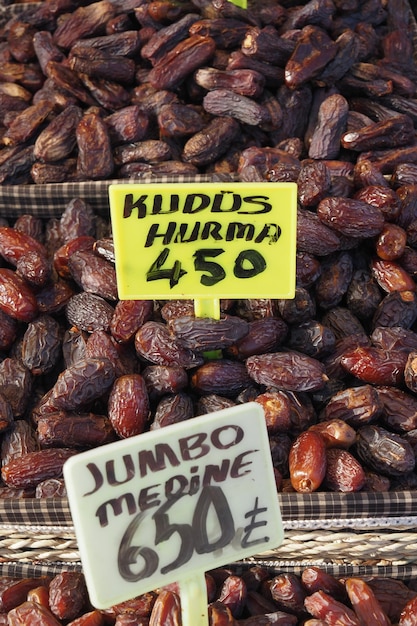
(253, 598)
(278, 91)
(334, 368)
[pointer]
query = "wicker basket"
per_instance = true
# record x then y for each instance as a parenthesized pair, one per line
(359, 533)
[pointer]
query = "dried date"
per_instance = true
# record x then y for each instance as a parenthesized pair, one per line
(128, 405)
(223, 377)
(343, 471)
(287, 370)
(27, 471)
(384, 451)
(155, 344)
(200, 334)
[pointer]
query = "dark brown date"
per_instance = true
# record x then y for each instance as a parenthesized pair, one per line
(263, 335)
(356, 406)
(343, 471)
(128, 405)
(186, 57)
(41, 344)
(27, 471)
(384, 451)
(68, 595)
(222, 376)
(172, 408)
(350, 217)
(78, 385)
(74, 430)
(155, 344)
(201, 334)
(89, 312)
(365, 604)
(16, 297)
(287, 370)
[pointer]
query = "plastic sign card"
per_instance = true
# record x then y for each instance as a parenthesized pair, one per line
(170, 504)
(202, 241)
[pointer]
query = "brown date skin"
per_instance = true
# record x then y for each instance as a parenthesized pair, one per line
(398, 308)
(264, 335)
(391, 276)
(288, 593)
(410, 371)
(16, 384)
(8, 330)
(77, 220)
(201, 334)
(315, 578)
(182, 60)
(31, 612)
(343, 473)
(67, 595)
(13, 591)
(77, 385)
(62, 255)
(384, 451)
(95, 157)
(16, 245)
(89, 312)
(312, 53)
(26, 471)
(356, 406)
(154, 343)
(233, 595)
(16, 297)
(166, 610)
(41, 344)
(307, 462)
(313, 236)
(93, 274)
(74, 430)
(409, 613)
(391, 242)
(164, 379)
(331, 124)
(222, 377)
(18, 441)
(289, 370)
(322, 605)
(375, 366)
(277, 410)
(399, 409)
(365, 603)
(336, 433)
(128, 405)
(172, 408)
(128, 317)
(351, 217)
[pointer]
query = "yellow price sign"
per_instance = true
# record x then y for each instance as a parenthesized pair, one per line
(204, 240)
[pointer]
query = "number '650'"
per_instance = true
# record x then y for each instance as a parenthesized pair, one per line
(193, 537)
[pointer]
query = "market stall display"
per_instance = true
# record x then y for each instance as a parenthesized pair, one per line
(322, 94)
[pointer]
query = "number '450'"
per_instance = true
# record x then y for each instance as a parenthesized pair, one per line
(193, 537)
(248, 263)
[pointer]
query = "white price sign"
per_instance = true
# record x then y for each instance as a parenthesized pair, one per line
(172, 503)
